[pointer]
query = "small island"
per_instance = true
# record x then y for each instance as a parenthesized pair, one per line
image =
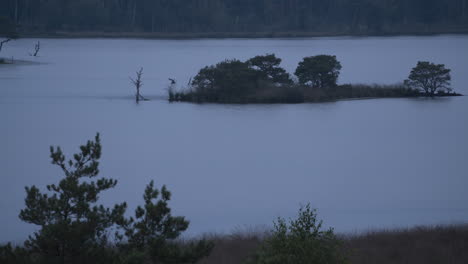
(262, 80)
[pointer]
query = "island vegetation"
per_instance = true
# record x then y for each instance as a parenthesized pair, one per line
(235, 18)
(432, 79)
(262, 80)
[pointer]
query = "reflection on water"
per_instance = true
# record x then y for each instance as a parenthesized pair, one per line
(363, 163)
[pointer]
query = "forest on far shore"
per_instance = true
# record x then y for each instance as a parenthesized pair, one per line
(238, 17)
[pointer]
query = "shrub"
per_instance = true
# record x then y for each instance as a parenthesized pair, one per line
(302, 241)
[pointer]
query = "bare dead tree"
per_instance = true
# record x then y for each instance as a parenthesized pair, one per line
(37, 47)
(138, 83)
(5, 41)
(7, 31)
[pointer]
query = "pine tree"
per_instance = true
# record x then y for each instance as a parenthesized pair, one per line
(73, 227)
(153, 232)
(301, 241)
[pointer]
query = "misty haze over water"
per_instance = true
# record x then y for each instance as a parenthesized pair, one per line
(364, 163)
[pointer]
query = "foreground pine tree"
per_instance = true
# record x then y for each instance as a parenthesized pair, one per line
(151, 235)
(74, 228)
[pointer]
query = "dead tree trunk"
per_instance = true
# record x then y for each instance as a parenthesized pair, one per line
(3, 42)
(37, 47)
(138, 83)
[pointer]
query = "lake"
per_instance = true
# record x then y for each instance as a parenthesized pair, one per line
(364, 164)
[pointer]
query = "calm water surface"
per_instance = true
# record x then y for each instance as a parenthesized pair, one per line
(364, 164)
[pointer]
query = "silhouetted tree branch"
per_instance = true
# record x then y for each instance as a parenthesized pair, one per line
(7, 31)
(37, 47)
(3, 42)
(138, 83)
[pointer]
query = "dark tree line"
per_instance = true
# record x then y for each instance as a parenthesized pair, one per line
(242, 16)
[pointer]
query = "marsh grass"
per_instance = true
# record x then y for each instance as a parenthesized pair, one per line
(418, 245)
(271, 94)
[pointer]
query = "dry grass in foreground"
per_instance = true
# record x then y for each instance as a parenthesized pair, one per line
(419, 245)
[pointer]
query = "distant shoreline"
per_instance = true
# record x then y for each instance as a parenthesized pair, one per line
(223, 35)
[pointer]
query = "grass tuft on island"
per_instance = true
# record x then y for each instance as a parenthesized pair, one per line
(295, 94)
(261, 80)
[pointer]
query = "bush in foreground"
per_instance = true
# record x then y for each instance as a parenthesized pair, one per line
(301, 241)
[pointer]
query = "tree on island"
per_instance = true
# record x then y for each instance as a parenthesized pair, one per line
(224, 81)
(235, 81)
(7, 31)
(319, 71)
(430, 78)
(268, 65)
